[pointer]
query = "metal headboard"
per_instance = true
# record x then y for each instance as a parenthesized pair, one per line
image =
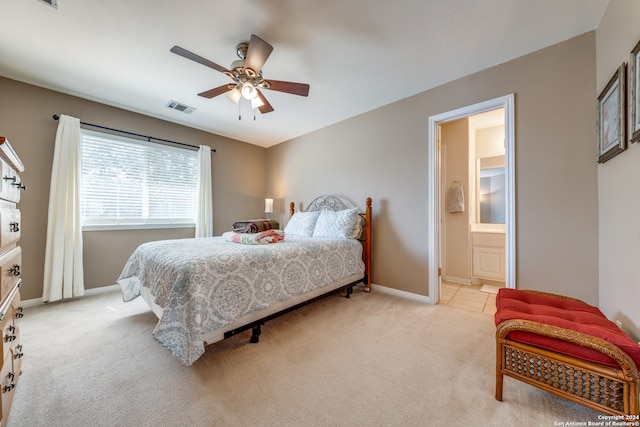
(328, 202)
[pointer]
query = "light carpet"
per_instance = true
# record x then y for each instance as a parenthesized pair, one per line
(373, 359)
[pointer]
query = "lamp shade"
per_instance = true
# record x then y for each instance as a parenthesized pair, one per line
(268, 205)
(248, 91)
(256, 102)
(234, 95)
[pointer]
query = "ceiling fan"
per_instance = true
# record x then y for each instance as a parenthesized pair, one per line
(247, 75)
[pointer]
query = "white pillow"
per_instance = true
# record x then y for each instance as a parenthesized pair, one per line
(337, 224)
(302, 224)
(358, 228)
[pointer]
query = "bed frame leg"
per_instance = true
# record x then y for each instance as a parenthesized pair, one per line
(349, 292)
(255, 334)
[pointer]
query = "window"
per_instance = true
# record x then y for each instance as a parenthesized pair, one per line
(127, 183)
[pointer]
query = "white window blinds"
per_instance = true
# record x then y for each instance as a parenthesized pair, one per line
(127, 182)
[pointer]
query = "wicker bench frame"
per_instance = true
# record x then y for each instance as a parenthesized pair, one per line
(612, 391)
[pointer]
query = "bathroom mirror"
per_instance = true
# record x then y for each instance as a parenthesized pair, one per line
(491, 191)
(492, 196)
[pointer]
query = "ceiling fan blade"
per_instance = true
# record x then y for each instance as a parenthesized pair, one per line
(301, 89)
(215, 91)
(266, 108)
(257, 54)
(192, 56)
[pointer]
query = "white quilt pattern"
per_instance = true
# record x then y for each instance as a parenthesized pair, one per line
(203, 284)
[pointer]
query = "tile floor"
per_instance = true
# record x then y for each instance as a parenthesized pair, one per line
(468, 297)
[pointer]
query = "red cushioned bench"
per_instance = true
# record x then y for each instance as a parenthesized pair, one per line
(567, 347)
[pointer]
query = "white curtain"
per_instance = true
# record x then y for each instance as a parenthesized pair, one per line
(204, 219)
(63, 270)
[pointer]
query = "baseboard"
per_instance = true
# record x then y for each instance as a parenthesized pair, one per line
(402, 294)
(378, 288)
(457, 280)
(87, 293)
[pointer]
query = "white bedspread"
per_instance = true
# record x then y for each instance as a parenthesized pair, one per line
(203, 284)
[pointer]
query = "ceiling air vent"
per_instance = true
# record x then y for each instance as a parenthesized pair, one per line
(180, 107)
(52, 3)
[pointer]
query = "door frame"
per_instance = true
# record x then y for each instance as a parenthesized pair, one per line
(435, 197)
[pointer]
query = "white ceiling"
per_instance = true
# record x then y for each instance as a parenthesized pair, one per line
(356, 55)
(487, 119)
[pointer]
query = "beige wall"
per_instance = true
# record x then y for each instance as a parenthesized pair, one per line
(383, 154)
(619, 181)
(456, 265)
(26, 120)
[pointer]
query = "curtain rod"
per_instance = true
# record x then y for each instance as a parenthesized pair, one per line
(147, 137)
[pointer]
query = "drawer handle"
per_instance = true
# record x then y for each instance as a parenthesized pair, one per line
(19, 313)
(11, 335)
(15, 270)
(14, 226)
(18, 354)
(20, 185)
(9, 387)
(10, 178)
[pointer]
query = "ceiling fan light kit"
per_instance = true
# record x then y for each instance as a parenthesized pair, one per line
(247, 75)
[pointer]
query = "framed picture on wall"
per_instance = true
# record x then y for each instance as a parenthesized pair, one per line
(612, 135)
(634, 97)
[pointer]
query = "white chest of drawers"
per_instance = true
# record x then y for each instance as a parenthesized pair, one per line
(10, 275)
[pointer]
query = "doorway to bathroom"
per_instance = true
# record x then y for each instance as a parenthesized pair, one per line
(472, 197)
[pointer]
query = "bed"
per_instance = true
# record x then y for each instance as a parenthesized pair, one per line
(204, 290)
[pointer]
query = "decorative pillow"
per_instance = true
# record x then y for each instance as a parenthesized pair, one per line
(302, 224)
(358, 228)
(337, 224)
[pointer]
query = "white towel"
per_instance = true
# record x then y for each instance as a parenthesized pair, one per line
(455, 200)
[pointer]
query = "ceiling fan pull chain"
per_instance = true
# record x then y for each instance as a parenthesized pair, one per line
(239, 115)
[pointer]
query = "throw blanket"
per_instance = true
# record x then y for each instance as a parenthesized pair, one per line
(255, 225)
(261, 238)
